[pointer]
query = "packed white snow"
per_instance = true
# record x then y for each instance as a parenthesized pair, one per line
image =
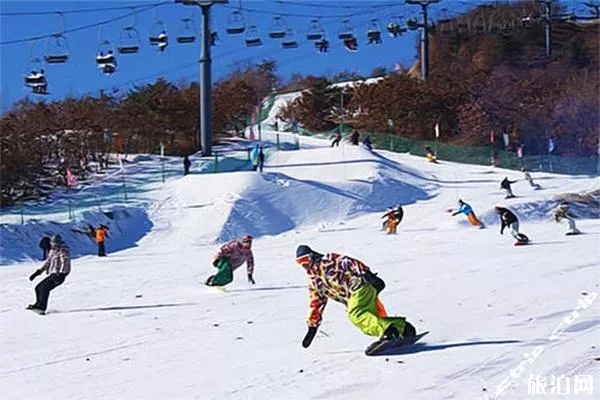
(140, 324)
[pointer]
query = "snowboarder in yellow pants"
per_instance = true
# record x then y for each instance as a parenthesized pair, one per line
(364, 311)
(350, 282)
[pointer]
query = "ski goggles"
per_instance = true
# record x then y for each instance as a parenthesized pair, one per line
(304, 260)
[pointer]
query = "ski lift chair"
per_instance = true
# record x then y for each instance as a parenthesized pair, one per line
(158, 36)
(188, 33)
(351, 45)
(57, 49)
(109, 69)
(36, 80)
(235, 23)
(289, 41)
(394, 27)
(347, 32)
(278, 28)
(252, 37)
(374, 33)
(315, 30)
(412, 24)
(322, 45)
(129, 42)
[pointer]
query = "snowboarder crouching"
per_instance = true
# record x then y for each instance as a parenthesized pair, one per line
(509, 219)
(350, 282)
(231, 256)
(466, 209)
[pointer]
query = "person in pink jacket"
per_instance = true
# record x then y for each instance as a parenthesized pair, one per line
(229, 258)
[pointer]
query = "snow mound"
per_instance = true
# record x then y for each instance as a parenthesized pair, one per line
(297, 194)
(126, 226)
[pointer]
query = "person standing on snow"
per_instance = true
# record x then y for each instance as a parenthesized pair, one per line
(350, 282)
(261, 159)
(466, 209)
(101, 234)
(57, 266)
(231, 256)
(336, 139)
(45, 246)
(562, 212)
(509, 219)
(186, 165)
(505, 184)
(354, 137)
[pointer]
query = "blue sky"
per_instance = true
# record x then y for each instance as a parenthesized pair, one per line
(80, 76)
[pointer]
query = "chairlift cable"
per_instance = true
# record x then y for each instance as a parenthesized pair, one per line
(288, 14)
(88, 26)
(79, 11)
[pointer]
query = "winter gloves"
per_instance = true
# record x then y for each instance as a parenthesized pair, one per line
(251, 279)
(310, 335)
(375, 281)
(35, 274)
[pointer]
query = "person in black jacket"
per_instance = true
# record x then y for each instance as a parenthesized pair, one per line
(186, 165)
(354, 137)
(261, 159)
(509, 219)
(505, 184)
(45, 246)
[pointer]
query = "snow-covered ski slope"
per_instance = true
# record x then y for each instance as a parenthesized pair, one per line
(140, 324)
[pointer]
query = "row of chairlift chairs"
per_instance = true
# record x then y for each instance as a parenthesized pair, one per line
(57, 48)
(236, 25)
(57, 51)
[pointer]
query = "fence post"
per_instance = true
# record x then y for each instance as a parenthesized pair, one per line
(22, 214)
(278, 141)
(216, 169)
(392, 142)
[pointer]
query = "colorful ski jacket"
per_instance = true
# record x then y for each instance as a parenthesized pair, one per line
(333, 277)
(237, 254)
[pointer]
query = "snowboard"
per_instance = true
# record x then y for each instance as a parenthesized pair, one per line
(573, 233)
(520, 243)
(36, 310)
(383, 347)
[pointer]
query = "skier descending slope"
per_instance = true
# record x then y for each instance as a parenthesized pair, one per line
(509, 219)
(350, 282)
(230, 256)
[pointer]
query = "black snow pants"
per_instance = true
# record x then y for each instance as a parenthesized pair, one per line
(42, 290)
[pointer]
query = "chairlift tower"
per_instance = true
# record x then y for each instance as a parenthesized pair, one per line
(205, 127)
(424, 35)
(548, 23)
